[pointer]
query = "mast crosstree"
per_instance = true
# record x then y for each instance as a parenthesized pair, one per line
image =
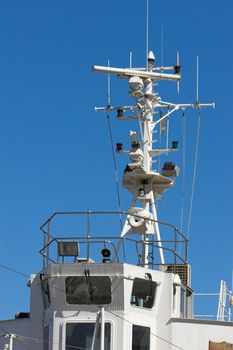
(145, 184)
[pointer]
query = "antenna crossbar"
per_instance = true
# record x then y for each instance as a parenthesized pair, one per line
(111, 108)
(185, 105)
(131, 72)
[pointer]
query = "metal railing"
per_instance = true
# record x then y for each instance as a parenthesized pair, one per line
(125, 249)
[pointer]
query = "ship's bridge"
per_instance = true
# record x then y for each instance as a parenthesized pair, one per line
(95, 291)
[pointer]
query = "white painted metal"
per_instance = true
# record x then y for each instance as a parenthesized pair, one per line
(131, 72)
(97, 322)
(224, 311)
(12, 336)
(102, 328)
(141, 84)
(154, 211)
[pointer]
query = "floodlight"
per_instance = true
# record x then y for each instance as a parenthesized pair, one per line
(136, 83)
(68, 248)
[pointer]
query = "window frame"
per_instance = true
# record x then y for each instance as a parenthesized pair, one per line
(110, 322)
(156, 284)
(132, 335)
(94, 302)
(46, 295)
(46, 342)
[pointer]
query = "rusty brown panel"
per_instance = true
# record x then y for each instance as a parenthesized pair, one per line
(220, 346)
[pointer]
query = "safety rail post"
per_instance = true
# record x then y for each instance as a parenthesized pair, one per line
(175, 249)
(102, 334)
(48, 246)
(43, 254)
(97, 322)
(186, 250)
(88, 233)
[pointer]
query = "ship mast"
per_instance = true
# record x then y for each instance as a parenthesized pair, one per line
(145, 184)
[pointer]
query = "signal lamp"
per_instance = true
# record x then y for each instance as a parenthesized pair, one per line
(119, 147)
(120, 113)
(174, 144)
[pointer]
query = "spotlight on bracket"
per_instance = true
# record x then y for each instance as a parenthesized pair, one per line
(170, 169)
(136, 83)
(68, 248)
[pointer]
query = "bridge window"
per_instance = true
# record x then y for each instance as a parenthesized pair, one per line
(46, 338)
(140, 338)
(46, 293)
(143, 293)
(186, 302)
(80, 336)
(182, 302)
(88, 290)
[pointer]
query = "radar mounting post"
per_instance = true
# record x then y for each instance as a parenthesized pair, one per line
(146, 184)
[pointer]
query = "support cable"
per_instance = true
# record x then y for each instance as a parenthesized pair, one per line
(115, 170)
(13, 270)
(147, 32)
(194, 173)
(117, 182)
(167, 136)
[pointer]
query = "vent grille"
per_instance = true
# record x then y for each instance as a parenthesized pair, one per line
(183, 270)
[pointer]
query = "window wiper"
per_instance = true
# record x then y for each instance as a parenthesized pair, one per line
(89, 284)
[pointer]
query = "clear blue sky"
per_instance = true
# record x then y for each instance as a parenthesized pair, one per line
(55, 150)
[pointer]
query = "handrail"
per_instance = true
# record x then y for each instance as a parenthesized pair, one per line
(49, 239)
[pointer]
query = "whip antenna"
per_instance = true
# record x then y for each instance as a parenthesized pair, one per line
(147, 32)
(197, 83)
(130, 59)
(178, 68)
(162, 39)
(109, 86)
(113, 153)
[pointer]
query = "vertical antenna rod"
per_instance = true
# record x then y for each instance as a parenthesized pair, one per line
(109, 86)
(147, 32)
(178, 64)
(162, 43)
(197, 87)
(130, 59)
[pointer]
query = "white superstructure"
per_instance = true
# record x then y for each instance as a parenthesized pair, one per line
(121, 292)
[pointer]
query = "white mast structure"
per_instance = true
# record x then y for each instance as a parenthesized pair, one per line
(146, 184)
